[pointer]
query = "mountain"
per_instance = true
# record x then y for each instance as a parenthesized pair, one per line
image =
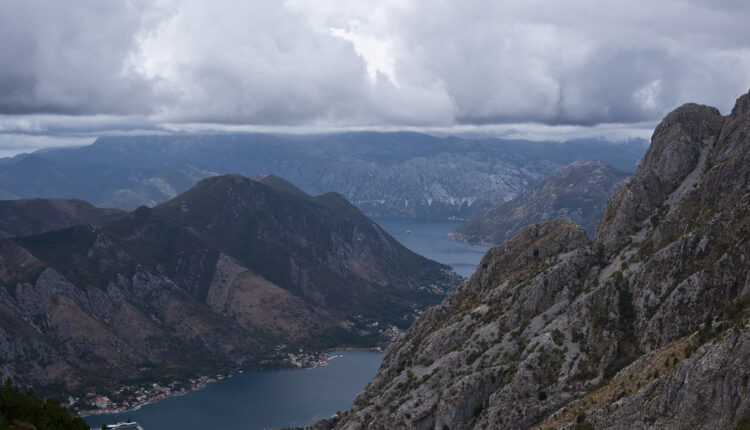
(384, 174)
(578, 191)
(107, 180)
(646, 326)
(34, 216)
(232, 274)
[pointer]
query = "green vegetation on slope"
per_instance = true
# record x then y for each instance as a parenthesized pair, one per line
(24, 410)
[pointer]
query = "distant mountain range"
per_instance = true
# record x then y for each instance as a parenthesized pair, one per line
(384, 174)
(234, 273)
(646, 327)
(34, 216)
(578, 191)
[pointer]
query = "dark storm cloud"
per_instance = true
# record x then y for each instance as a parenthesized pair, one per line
(581, 62)
(71, 57)
(361, 63)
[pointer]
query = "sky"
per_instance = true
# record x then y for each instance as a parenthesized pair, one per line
(78, 69)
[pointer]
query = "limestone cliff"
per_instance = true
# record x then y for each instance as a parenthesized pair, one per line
(578, 191)
(644, 327)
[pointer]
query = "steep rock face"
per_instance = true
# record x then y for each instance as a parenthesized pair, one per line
(647, 327)
(705, 391)
(675, 151)
(231, 274)
(470, 347)
(577, 191)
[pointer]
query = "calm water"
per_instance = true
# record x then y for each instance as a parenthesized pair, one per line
(258, 400)
(430, 238)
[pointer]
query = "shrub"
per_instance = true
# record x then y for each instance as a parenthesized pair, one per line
(557, 337)
(743, 424)
(478, 411)
(33, 412)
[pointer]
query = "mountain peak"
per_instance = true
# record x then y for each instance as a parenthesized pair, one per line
(280, 184)
(578, 191)
(531, 243)
(232, 211)
(680, 145)
(741, 106)
(592, 164)
(580, 169)
(228, 179)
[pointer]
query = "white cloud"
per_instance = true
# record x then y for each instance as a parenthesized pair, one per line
(13, 144)
(87, 65)
(648, 95)
(375, 52)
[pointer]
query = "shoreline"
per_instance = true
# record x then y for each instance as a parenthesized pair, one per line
(355, 348)
(203, 381)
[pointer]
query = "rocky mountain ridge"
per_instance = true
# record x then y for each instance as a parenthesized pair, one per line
(647, 326)
(232, 274)
(578, 191)
(402, 174)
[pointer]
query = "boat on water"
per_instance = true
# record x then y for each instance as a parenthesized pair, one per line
(121, 426)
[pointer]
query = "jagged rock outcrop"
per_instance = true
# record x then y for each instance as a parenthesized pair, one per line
(645, 327)
(232, 274)
(577, 191)
(680, 137)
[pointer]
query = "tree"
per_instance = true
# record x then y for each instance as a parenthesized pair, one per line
(28, 409)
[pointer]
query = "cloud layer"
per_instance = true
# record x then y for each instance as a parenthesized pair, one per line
(361, 63)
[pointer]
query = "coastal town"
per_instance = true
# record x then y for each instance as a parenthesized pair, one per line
(133, 397)
(94, 404)
(136, 397)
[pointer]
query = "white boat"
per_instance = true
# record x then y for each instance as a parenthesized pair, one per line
(123, 426)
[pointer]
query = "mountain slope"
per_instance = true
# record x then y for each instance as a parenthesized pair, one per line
(321, 248)
(578, 191)
(384, 174)
(27, 217)
(231, 274)
(645, 327)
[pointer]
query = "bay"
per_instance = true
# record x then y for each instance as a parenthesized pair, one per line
(290, 398)
(430, 239)
(261, 399)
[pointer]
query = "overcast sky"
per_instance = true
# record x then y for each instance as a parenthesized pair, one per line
(76, 69)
